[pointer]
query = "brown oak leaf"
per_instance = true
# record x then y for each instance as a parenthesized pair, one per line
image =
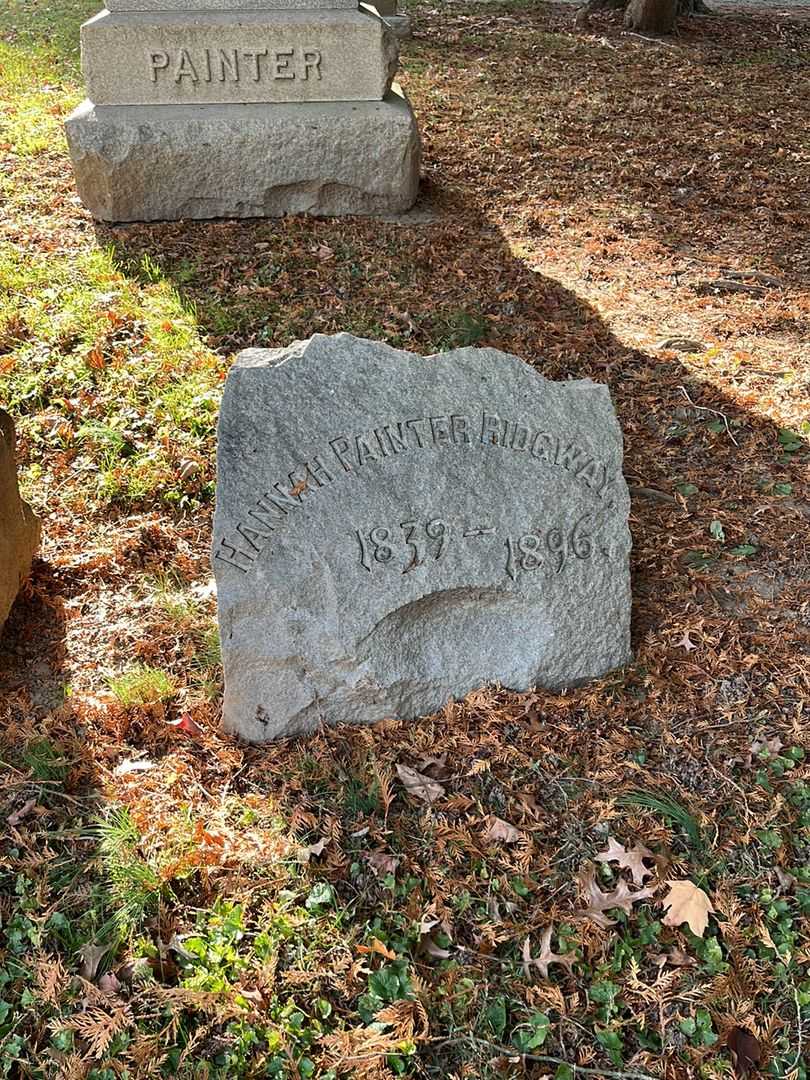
(621, 897)
(686, 903)
(498, 829)
(419, 785)
(631, 859)
(546, 956)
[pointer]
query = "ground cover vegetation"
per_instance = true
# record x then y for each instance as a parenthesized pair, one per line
(610, 882)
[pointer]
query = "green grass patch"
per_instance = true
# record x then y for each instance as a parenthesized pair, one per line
(142, 685)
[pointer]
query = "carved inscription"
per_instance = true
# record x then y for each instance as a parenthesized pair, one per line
(549, 550)
(423, 540)
(353, 453)
(416, 543)
(233, 65)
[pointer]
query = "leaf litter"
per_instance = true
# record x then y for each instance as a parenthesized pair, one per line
(576, 228)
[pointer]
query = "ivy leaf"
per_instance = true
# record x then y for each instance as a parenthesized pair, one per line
(790, 440)
(745, 549)
(716, 531)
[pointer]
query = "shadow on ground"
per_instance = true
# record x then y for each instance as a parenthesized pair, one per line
(700, 467)
(32, 642)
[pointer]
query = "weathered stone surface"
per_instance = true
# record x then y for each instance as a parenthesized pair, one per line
(401, 26)
(19, 528)
(393, 530)
(149, 163)
(215, 57)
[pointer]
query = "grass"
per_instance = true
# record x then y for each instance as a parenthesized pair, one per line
(142, 685)
(174, 903)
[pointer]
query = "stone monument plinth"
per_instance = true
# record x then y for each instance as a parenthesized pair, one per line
(394, 530)
(235, 108)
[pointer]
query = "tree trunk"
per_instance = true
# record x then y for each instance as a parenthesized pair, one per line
(651, 16)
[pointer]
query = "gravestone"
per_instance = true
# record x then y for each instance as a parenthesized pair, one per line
(398, 21)
(19, 528)
(394, 530)
(240, 108)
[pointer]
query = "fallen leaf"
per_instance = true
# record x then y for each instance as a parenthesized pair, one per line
(377, 946)
(109, 984)
(745, 1050)
(306, 853)
(622, 897)
(432, 949)
(128, 765)
(381, 862)
(546, 956)
(772, 745)
(686, 903)
(498, 829)
(529, 803)
(686, 643)
(419, 785)
(632, 859)
(92, 955)
(435, 767)
(186, 725)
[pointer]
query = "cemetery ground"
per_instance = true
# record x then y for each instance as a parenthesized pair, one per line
(429, 898)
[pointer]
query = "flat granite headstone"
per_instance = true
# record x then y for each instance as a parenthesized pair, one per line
(394, 530)
(19, 528)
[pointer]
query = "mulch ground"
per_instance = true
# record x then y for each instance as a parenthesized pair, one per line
(586, 197)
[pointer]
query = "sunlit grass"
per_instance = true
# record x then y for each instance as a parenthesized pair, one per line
(142, 685)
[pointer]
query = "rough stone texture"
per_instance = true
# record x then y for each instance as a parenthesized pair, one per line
(150, 163)
(215, 57)
(19, 528)
(386, 7)
(401, 26)
(228, 5)
(483, 540)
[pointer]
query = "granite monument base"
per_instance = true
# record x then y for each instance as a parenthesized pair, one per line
(400, 25)
(167, 162)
